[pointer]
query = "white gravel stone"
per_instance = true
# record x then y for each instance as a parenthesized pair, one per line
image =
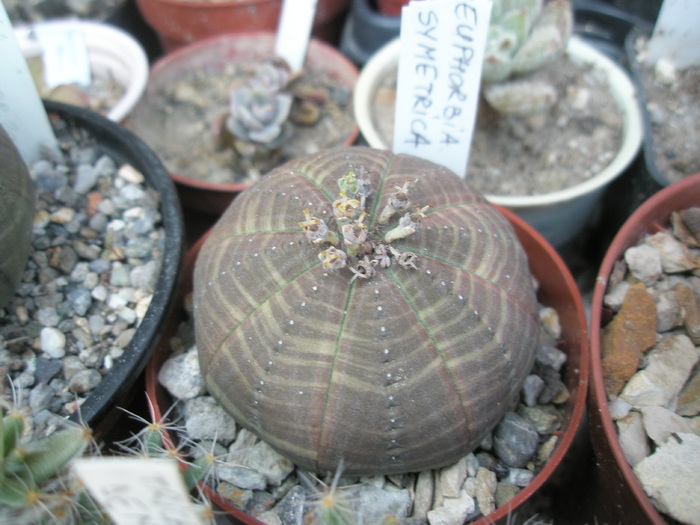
(671, 477)
(262, 458)
(669, 365)
(181, 376)
(674, 254)
(618, 408)
(452, 478)
(454, 511)
(660, 423)
(644, 262)
(633, 438)
(205, 419)
(423, 498)
(53, 342)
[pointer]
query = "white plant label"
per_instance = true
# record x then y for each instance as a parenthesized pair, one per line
(143, 491)
(21, 111)
(65, 56)
(294, 31)
(442, 49)
(676, 36)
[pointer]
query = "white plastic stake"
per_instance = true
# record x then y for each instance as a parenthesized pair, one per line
(294, 31)
(138, 490)
(676, 37)
(21, 112)
(442, 49)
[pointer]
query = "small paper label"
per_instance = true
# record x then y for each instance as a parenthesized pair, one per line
(144, 491)
(294, 31)
(65, 56)
(442, 50)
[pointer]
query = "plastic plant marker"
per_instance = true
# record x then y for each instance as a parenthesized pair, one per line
(675, 35)
(65, 55)
(21, 111)
(138, 490)
(439, 74)
(294, 31)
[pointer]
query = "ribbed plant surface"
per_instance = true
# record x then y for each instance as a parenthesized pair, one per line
(401, 371)
(17, 199)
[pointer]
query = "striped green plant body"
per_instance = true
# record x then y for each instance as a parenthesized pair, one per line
(17, 199)
(402, 370)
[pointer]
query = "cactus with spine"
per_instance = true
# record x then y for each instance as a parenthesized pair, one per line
(36, 485)
(17, 198)
(364, 307)
(524, 36)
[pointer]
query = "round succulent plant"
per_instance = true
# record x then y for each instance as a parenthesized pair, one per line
(17, 197)
(364, 307)
(259, 108)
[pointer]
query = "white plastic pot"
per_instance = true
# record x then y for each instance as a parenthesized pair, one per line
(112, 53)
(558, 215)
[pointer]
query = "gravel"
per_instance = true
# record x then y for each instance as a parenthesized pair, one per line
(255, 478)
(96, 253)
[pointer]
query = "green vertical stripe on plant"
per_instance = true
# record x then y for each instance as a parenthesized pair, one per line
(396, 350)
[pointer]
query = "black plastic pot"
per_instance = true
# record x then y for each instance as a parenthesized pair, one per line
(649, 165)
(605, 26)
(128, 17)
(647, 10)
(101, 408)
(366, 30)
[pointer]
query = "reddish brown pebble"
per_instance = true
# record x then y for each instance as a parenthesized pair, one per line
(627, 337)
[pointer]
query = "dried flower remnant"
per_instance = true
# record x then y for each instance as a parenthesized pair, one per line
(316, 230)
(358, 240)
(398, 201)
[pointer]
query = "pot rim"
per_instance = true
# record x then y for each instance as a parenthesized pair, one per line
(652, 215)
(540, 252)
(579, 51)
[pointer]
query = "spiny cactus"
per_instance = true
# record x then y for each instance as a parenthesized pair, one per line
(35, 482)
(17, 197)
(398, 348)
(523, 36)
(159, 438)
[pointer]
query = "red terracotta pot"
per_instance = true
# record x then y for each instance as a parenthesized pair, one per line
(391, 7)
(618, 496)
(181, 22)
(214, 54)
(557, 289)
